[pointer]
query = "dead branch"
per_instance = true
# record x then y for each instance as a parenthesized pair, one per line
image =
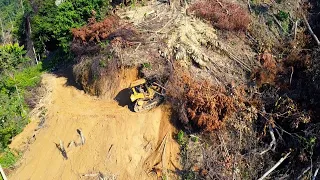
(273, 143)
(295, 29)
(164, 144)
(315, 174)
(304, 172)
(90, 175)
(275, 166)
(310, 30)
(62, 150)
(71, 144)
(81, 136)
(109, 151)
(137, 47)
(3, 175)
(291, 74)
(279, 24)
(166, 24)
(249, 6)
(223, 7)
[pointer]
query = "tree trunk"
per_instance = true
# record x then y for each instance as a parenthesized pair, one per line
(2, 31)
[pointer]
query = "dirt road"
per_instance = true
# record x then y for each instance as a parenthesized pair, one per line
(118, 143)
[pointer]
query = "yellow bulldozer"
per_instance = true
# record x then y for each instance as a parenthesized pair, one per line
(146, 94)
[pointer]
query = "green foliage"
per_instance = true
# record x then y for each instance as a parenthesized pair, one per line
(282, 16)
(104, 44)
(13, 109)
(8, 159)
(181, 138)
(103, 63)
(52, 24)
(11, 56)
(29, 77)
(285, 21)
(146, 65)
(9, 13)
(189, 175)
(194, 138)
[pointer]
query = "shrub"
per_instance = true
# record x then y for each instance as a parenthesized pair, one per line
(11, 56)
(108, 30)
(224, 15)
(269, 70)
(282, 16)
(13, 108)
(180, 138)
(8, 159)
(51, 24)
(96, 30)
(200, 104)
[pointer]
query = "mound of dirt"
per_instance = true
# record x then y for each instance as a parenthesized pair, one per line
(100, 81)
(118, 142)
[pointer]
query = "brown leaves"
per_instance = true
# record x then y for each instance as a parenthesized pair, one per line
(268, 72)
(202, 104)
(96, 31)
(223, 15)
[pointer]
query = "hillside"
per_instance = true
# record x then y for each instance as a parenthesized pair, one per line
(118, 142)
(239, 79)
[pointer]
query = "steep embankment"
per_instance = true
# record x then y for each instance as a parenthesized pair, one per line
(118, 142)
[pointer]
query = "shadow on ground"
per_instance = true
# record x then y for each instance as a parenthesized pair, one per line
(123, 99)
(68, 74)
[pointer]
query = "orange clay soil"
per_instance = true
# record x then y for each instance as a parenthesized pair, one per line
(118, 143)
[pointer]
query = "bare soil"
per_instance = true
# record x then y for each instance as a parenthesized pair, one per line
(118, 143)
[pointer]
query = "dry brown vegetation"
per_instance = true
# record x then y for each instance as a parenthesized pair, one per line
(236, 127)
(224, 15)
(200, 103)
(268, 71)
(96, 30)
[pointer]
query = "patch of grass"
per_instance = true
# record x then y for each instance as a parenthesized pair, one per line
(104, 44)
(194, 138)
(189, 175)
(29, 77)
(286, 25)
(133, 4)
(181, 138)
(282, 15)
(146, 65)
(103, 64)
(8, 159)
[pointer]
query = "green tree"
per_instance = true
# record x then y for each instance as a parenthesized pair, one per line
(52, 24)
(11, 56)
(15, 78)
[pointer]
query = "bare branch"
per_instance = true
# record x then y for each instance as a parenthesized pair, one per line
(3, 175)
(291, 74)
(315, 174)
(223, 7)
(310, 30)
(295, 29)
(249, 6)
(304, 172)
(83, 140)
(273, 143)
(275, 166)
